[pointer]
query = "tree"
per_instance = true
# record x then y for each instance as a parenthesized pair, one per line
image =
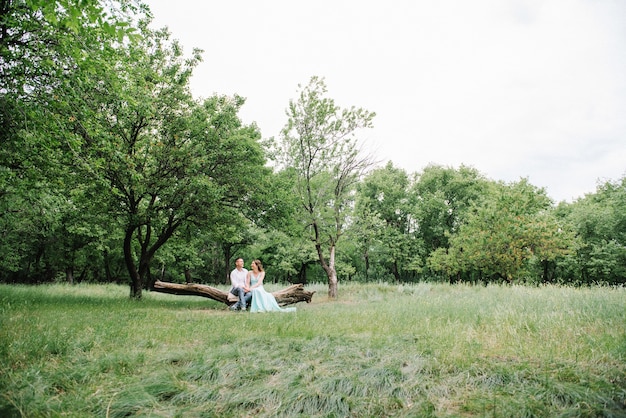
(443, 196)
(365, 233)
(383, 198)
(40, 40)
(165, 159)
(600, 223)
(42, 43)
(319, 143)
(280, 244)
(512, 227)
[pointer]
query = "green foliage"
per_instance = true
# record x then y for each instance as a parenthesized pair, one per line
(48, 48)
(43, 39)
(504, 235)
(443, 198)
(599, 220)
(107, 163)
(386, 350)
(123, 129)
(318, 144)
(384, 225)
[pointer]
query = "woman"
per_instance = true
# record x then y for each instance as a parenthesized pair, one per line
(262, 301)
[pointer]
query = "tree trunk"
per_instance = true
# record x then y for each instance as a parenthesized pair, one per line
(148, 279)
(227, 255)
(332, 274)
(329, 268)
(69, 275)
(107, 267)
(82, 275)
(135, 278)
(395, 271)
(287, 296)
(547, 276)
(302, 273)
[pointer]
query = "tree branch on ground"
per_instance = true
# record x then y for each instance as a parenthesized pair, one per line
(287, 296)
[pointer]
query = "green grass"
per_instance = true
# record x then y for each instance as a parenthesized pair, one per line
(380, 350)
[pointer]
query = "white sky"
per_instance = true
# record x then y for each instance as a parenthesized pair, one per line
(513, 88)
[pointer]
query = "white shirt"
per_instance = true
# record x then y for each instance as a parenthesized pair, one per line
(238, 277)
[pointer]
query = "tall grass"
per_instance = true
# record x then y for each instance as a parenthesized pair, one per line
(379, 350)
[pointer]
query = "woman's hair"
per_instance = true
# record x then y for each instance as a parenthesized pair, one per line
(259, 265)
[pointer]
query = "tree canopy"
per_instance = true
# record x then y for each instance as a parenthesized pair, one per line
(112, 171)
(318, 143)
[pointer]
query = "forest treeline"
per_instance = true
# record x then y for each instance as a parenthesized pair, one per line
(111, 171)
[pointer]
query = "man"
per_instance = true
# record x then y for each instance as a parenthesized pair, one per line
(238, 286)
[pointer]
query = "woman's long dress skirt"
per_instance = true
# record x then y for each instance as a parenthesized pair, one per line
(263, 301)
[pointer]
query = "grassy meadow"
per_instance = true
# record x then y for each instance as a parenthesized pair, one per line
(424, 350)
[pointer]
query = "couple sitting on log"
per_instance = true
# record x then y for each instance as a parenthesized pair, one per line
(247, 289)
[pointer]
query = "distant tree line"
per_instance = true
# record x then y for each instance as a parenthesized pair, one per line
(111, 171)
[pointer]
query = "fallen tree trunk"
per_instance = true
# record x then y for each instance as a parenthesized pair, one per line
(287, 296)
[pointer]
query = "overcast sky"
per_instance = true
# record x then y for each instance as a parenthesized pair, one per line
(513, 88)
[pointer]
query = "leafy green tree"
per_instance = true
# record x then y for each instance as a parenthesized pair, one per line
(100, 127)
(443, 197)
(600, 223)
(256, 228)
(510, 229)
(41, 40)
(165, 159)
(319, 144)
(365, 234)
(279, 230)
(41, 43)
(383, 196)
(233, 236)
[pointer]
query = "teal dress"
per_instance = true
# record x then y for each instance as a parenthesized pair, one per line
(263, 301)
